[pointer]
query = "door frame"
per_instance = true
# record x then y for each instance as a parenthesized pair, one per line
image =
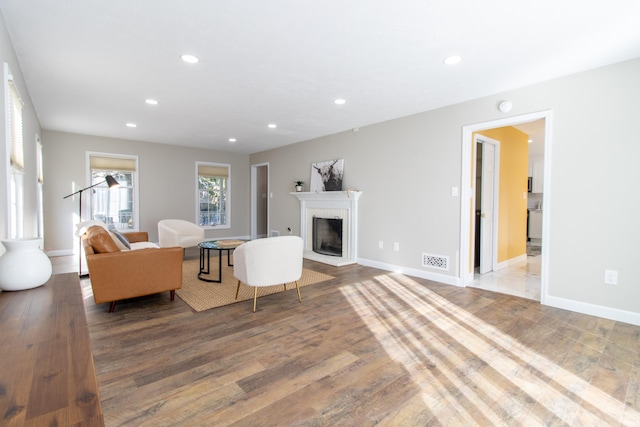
(467, 201)
(254, 196)
(495, 203)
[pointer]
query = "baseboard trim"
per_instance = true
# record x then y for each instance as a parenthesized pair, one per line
(594, 310)
(62, 252)
(507, 263)
(436, 277)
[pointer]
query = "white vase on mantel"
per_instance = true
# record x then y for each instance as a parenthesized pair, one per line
(24, 265)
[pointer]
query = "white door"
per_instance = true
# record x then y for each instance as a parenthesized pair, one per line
(488, 204)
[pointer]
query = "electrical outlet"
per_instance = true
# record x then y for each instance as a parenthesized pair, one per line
(396, 246)
(610, 277)
(380, 244)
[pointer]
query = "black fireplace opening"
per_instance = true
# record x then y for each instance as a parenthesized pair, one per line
(327, 236)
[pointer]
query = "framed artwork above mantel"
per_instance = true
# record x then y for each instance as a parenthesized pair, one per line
(326, 175)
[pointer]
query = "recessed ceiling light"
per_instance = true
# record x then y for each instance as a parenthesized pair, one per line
(530, 141)
(191, 59)
(340, 101)
(151, 101)
(131, 125)
(451, 60)
(272, 125)
(232, 140)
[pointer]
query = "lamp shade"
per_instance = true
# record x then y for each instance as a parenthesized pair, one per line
(111, 181)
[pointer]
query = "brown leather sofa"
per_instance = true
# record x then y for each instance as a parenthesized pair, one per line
(120, 274)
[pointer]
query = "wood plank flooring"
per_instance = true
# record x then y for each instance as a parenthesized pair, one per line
(366, 348)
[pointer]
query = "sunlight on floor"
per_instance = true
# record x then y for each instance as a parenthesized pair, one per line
(469, 371)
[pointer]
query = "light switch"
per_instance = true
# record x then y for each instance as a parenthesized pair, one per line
(454, 191)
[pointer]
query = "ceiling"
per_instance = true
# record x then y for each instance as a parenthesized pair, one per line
(535, 130)
(90, 65)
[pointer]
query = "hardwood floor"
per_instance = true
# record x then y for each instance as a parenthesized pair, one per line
(366, 348)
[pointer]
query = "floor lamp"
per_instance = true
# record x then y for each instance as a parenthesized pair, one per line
(111, 182)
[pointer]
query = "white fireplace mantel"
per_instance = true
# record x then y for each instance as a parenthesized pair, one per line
(343, 201)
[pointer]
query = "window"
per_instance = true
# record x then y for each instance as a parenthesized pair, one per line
(16, 156)
(116, 207)
(213, 199)
(40, 182)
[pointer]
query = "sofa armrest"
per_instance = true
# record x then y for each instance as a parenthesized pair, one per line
(120, 275)
(137, 236)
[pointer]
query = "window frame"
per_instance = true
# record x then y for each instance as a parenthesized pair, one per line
(227, 211)
(14, 137)
(136, 185)
(40, 185)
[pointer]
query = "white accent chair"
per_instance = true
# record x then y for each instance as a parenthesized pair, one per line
(177, 232)
(268, 262)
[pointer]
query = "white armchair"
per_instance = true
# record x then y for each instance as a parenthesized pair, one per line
(177, 232)
(268, 262)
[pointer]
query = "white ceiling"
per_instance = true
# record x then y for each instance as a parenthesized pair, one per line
(90, 64)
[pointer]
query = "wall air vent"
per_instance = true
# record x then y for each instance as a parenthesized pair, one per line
(440, 262)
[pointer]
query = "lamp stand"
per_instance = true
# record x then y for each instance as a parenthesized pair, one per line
(111, 182)
(82, 276)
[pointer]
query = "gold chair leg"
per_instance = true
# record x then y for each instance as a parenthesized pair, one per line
(298, 289)
(238, 289)
(255, 298)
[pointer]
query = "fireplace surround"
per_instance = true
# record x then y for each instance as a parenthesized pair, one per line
(330, 204)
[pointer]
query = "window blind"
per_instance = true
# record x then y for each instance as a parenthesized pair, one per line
(112, 163)
(15, 128)
(213, 171)
(39, 162)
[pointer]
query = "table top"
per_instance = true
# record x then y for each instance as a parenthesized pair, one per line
(220, 244)
(46, 365)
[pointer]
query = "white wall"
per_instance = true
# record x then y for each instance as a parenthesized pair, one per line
(166, 184)
(406, 168)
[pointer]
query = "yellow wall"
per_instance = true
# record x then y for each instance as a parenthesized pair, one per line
(512, 207)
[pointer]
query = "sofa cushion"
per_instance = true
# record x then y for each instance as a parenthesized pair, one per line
(120, 239)
(100, 240)
(143, 245)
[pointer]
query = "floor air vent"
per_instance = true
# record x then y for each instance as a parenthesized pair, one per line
(440, 262)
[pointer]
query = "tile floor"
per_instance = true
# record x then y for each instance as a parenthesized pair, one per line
(521, 279)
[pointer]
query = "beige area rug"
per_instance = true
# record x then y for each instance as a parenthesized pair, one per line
(201, 295)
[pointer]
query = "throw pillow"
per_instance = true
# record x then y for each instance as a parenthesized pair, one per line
(101, 241)
(85, 225)
(118, 242)
(121, 238)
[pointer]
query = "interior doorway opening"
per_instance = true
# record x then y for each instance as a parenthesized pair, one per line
(260, 201)
(468, 244)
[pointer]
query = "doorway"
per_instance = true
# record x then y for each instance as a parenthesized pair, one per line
(259, 201)
(468, 205)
